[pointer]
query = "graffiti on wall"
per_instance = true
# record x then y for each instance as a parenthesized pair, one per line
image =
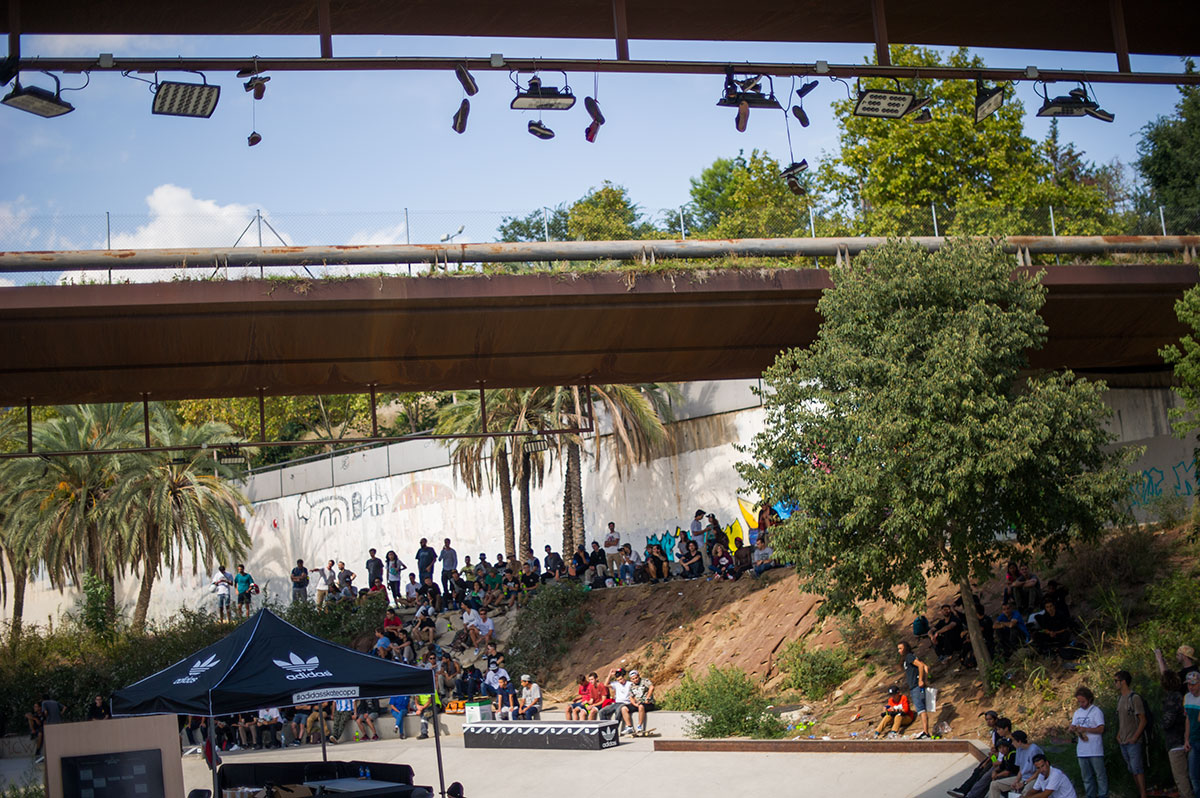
(669, 540)
(1152, 483)
(370, 501)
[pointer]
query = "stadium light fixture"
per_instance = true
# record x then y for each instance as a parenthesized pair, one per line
(36, 100)
(1076, 102)
(230, 456)
(987, 101)
(535, 445)
(887, 103)
(536, 97)
(748, 90)
(194, 100)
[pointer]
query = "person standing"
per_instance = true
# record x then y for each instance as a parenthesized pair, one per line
(299, 582)
(395, 569)
(1172, 721)
(916, 674)
(612, 548)
(1191, 728)
(326, 580)
(426, 557)
(1088, 724)
(223, 580)
(374, 567)
(243, 582)
(1131, 727)
(448, 557)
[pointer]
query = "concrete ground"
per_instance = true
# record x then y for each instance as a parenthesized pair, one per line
(633, 769)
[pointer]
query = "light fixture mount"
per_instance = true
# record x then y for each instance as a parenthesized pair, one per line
(1076, 102)
(36, 100)
(747, 89)
(537, 97)
(886, 103)
(987, 101)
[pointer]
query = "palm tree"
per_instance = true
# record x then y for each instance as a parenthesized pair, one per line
(638, 414)
(53, 506)
(172, 503)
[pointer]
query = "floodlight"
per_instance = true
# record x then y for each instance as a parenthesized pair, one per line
(535, 445)
(747, 90)
(987, 101)
(884, 103)
(39, 101)
(1074, 103)
(230, 456)
(196, 100)
(543, 98)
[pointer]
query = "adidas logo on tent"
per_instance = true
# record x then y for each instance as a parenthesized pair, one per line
(301, 668)
(197, 669)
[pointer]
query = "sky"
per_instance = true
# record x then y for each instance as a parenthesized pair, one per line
(344, 154)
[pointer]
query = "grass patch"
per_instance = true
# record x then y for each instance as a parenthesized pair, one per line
(725, 702)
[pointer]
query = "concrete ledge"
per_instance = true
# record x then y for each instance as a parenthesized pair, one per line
(827, 746)
(16, 746)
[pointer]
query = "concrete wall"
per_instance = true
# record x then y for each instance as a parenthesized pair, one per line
(389, 498)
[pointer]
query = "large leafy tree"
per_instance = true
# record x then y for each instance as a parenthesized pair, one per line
(544, 224)
(177, 505)
(1169, 159)
(913, 444)
(991, 175)
(745, 198)
(606, 213)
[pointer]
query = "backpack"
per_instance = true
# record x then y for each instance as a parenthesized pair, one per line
(1151, 726)
(920, 626)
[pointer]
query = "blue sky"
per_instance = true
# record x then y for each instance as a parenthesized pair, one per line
(352, 143)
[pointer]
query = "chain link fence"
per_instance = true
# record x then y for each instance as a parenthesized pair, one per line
(240, 226)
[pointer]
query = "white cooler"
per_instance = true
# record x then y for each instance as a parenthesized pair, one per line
(478, 712)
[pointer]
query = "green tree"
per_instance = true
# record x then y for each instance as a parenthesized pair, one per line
(745, 198)
(55, 507)
(240, 414)
(911, 440)
(606, 214)
(1169, 159)
(540, 225)
(1185, 358)
(172, 503)
(892, 171)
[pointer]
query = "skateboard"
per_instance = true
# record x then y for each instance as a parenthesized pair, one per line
(646, 733)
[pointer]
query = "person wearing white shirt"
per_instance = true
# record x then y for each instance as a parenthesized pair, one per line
(410, 591)
(1088, 725)
(324, 577)
(491, 682)
(622, 694)
(483, 631)
(221, 580)
(612, 548)
(270, 723)
(470, 617)
(1050, 782)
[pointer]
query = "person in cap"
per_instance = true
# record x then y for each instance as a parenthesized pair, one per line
(641, 699)
(1050, 782)
(1186, 656)
(1026, 772)
(897, 713)
(1005, 767)
(1191, 729)
(491, 681)
(530, 706)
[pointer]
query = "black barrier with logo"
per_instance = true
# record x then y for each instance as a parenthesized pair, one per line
(564, 735)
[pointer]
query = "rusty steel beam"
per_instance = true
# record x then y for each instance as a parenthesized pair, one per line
(482, 63)
(621, 30)
(521, 251)
(883, 55)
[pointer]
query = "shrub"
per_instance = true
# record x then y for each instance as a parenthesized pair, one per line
(814, 674)
(725, 703)
(545, 629)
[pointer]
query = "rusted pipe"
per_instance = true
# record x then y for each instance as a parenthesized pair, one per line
(508, 252)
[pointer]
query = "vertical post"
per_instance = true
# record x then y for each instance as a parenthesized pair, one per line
(321, 723)
(812, 229)
(1053, 231)
(621, 30)
(682, 229)
(108, 239)
(933, 209)
(882, 54)
(407, 237)
(1162, 220)
(545, 223)
(437, 739)
(483, 408)
(262, 417)
(29, 424)
(374, 418)
(146, 417)
(212, 745)
(258, 218)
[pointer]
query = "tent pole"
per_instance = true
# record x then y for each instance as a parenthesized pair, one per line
(321, 723)
(437, 741)
(212, 741)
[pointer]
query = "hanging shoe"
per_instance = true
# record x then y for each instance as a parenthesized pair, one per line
(466, 79)
(253, 139)
(794, 169)
(806, 88)
(540, 130)
(592, 130)
(794, 186)
(801, 117)
(593, 109)
(459, 123)
(743, 116)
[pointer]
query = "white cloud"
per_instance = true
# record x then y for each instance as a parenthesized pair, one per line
(179, 219)
(71, 45)
(395, 234)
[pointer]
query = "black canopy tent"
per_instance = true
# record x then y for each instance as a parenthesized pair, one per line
(267, 662)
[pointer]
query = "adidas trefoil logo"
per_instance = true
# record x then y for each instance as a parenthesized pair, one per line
(300, 668)
(197, 669)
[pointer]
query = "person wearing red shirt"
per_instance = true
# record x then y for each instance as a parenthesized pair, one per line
(898, 713)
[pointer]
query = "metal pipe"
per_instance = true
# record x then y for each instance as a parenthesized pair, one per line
(482, 409)
(348, 442)
(637, 66)
(517, 251)
(374, 415)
